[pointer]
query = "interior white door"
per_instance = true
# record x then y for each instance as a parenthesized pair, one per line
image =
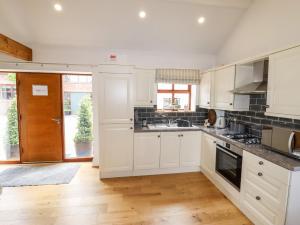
(116, 98)
(284, 80)
(144, 86)
(208, 153)
(190, 148)
(146, 150)
(223, 85)
(205, 90)
(116, 147)
(170, 149)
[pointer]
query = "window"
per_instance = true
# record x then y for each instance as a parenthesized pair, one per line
(176, 97)
(7, 92)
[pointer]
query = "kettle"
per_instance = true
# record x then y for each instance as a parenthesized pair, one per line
(220, 123)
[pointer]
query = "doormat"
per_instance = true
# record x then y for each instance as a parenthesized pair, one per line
(35, 175)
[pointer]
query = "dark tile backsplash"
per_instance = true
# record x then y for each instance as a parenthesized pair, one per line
(255, 118)
(150, 114)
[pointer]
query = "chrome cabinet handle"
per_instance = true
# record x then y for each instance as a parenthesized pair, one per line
(207, 103)
(214, 142)
(56, 120)
(258, 198)
(179, 135)
(290, 142)
(151, 101)
(131, 119)
(158, 136)
(261, 163)
(230, 104)
(131, 128)
(260, 174)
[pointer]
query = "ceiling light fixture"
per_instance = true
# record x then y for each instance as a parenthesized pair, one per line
(201, 20)
(142, 14)
(58, 7)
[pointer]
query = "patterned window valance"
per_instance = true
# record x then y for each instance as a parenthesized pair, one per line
(178, 76)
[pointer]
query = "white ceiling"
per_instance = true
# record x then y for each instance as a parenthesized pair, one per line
(171, 25)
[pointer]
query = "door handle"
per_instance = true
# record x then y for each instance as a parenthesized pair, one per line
(56, 120)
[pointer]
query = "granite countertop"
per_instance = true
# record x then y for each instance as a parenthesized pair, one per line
(259, 150)
(139, 129)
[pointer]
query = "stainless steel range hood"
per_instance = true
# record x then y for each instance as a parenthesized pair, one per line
(260, 80)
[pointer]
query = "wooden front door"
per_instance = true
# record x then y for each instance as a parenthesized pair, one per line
(40, 117)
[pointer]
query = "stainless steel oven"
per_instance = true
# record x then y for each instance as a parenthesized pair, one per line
(229, 163)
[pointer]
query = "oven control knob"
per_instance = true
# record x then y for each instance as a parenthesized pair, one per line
(258, 198)
(260, 162)
(260, 174)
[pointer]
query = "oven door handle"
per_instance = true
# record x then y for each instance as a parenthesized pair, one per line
(227, 152)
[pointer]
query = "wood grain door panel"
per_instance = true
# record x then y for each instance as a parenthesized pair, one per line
(41, 136)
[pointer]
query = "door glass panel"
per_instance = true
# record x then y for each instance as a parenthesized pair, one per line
(9, 132)
(77, 94)
(181, 86)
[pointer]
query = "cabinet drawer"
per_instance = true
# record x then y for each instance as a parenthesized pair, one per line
(274, 189)
(265, 208)
(269, 170)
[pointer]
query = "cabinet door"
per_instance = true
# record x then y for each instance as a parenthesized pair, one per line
(223, 85)
(208, 153)
(116, 147)
(116, 98)
(170, 149)
(205, 90)
(284, 80)
(144, 86)
(190, 148)
(146, 150)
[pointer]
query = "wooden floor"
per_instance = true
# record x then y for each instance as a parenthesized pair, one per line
(182, 199)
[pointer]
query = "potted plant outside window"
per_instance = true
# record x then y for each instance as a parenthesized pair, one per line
(13, 131)
(83, 137)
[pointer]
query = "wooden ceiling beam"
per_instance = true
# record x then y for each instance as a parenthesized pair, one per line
(14, 48)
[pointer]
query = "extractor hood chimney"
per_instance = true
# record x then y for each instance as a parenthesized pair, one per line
(260, 80)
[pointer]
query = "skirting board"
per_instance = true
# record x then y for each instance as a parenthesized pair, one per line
(104, 174)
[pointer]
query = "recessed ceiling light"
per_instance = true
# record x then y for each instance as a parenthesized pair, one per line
(142, 14)
(201, 20)
(58, 7)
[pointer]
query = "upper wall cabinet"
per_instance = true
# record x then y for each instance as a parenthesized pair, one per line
(225, 80)
(144, 86)
(116, 97)
(283, 85)
(206, 90)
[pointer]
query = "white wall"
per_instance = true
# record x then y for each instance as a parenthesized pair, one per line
(267, 25)
(152, 59)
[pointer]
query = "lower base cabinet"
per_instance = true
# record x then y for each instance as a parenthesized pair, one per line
(116, 148)
(208, 154)
(264, 191)
(146, 150)
(167, 152)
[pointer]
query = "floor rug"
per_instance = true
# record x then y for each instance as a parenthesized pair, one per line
(35, 175)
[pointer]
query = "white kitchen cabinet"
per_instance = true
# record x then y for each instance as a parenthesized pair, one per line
(225, 80)
(208, 154)
(190, 148)
(170, 149)
(146, 150)
(264, 190)
(283, 84)
(144, 86)
(116, 98)
(206, 91)
(116, 148)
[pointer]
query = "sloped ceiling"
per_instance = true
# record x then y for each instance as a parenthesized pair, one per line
(171, 25)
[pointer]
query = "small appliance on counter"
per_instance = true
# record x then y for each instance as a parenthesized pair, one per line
(220, 123)
(282, 140)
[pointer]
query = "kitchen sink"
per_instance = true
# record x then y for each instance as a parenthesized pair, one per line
(162, 126)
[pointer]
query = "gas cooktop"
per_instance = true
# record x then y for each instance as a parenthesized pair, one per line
(247, 139)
